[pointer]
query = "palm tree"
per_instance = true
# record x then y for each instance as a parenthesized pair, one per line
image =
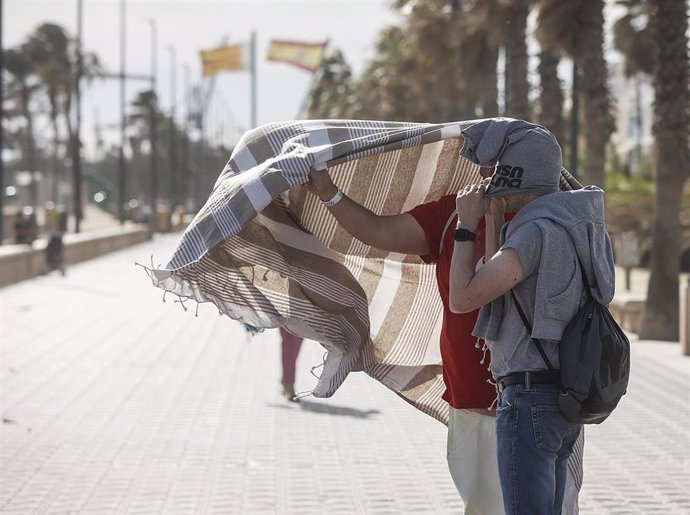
(49, 49)
(389, 87)
(393, 87)
(634, 39)
(576, 28)
(669, 25)
(632, 36)
(48, 54)
(480, 33)
(551, 97)
(516, 84)
(480, 86)
(438, 65)
(139, 122)
(434, 34)
(330, 96)
(23, 85)
(91, 68)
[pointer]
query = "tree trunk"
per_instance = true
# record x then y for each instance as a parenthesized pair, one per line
(517, 87)
(67, 109)
(595, 95)
(660, 321)
(672, 134)
(55, 159)
(490, 82)
(551, 99)
(30, 156)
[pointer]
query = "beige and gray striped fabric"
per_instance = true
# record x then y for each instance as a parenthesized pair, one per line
(268, 254)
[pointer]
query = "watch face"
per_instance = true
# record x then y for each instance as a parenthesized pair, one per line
(464, 235)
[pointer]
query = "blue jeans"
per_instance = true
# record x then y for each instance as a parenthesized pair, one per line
(534, 441)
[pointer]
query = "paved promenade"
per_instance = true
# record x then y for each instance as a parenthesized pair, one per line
(115, 402)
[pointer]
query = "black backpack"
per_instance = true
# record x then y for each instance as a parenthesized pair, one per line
(595, 361)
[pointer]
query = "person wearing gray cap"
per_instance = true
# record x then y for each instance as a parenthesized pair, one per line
(539, 258)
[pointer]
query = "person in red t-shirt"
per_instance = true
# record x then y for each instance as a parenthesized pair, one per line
(471, 446)
(427, 231)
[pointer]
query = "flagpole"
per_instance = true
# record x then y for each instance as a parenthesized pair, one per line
(153, 107)
(314, 80)
(200, 148)
(253, 78)
(76, 143)
(122, 169)
(2, 135)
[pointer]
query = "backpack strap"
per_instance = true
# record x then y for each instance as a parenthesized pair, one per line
(528, 326)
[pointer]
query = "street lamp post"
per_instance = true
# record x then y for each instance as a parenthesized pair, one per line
(122, 175)
(152, 141)
(172, 147)
(2, 136)
(574, 121)
(186, 168)
(199, 161)
(76, 149)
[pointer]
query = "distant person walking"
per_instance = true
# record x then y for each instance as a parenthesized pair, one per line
(55, 253)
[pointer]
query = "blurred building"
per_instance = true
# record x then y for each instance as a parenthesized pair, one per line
(634, 112)
(633, 140)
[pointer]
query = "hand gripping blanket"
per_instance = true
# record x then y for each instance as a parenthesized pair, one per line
(268, 254)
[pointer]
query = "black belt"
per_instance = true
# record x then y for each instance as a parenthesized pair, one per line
(527, 378)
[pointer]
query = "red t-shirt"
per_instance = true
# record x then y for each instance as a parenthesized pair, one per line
(463, 374)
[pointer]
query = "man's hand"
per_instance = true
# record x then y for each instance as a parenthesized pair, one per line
(497, 206)
(471, 206)
(321, 185)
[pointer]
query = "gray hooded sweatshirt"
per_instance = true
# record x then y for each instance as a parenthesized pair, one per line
(549, 234)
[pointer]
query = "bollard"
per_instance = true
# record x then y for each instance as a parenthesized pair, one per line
(685, 319)
(62, 218)
(163, 219)
(51, 216)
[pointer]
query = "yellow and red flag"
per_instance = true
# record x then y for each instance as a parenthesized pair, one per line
(225, 58)
(307, 56)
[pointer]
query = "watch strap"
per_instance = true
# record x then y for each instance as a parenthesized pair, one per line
(462, 234)
(334, 200)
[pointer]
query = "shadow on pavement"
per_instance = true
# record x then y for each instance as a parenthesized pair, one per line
(327, 409)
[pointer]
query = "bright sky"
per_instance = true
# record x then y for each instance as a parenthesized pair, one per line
(193, 25)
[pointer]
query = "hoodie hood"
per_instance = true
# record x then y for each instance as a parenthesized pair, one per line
(528, 157)
(569, 222)
(581, 213)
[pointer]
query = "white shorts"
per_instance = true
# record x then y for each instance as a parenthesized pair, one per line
(472, 461)
(474, 468)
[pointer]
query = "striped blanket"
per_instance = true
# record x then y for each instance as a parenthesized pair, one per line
(268, 254)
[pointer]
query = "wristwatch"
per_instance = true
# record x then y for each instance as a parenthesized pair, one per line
(465, 235)
(333, 200)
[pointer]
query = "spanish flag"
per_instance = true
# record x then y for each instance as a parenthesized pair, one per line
(307, 56)
(229, 57)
